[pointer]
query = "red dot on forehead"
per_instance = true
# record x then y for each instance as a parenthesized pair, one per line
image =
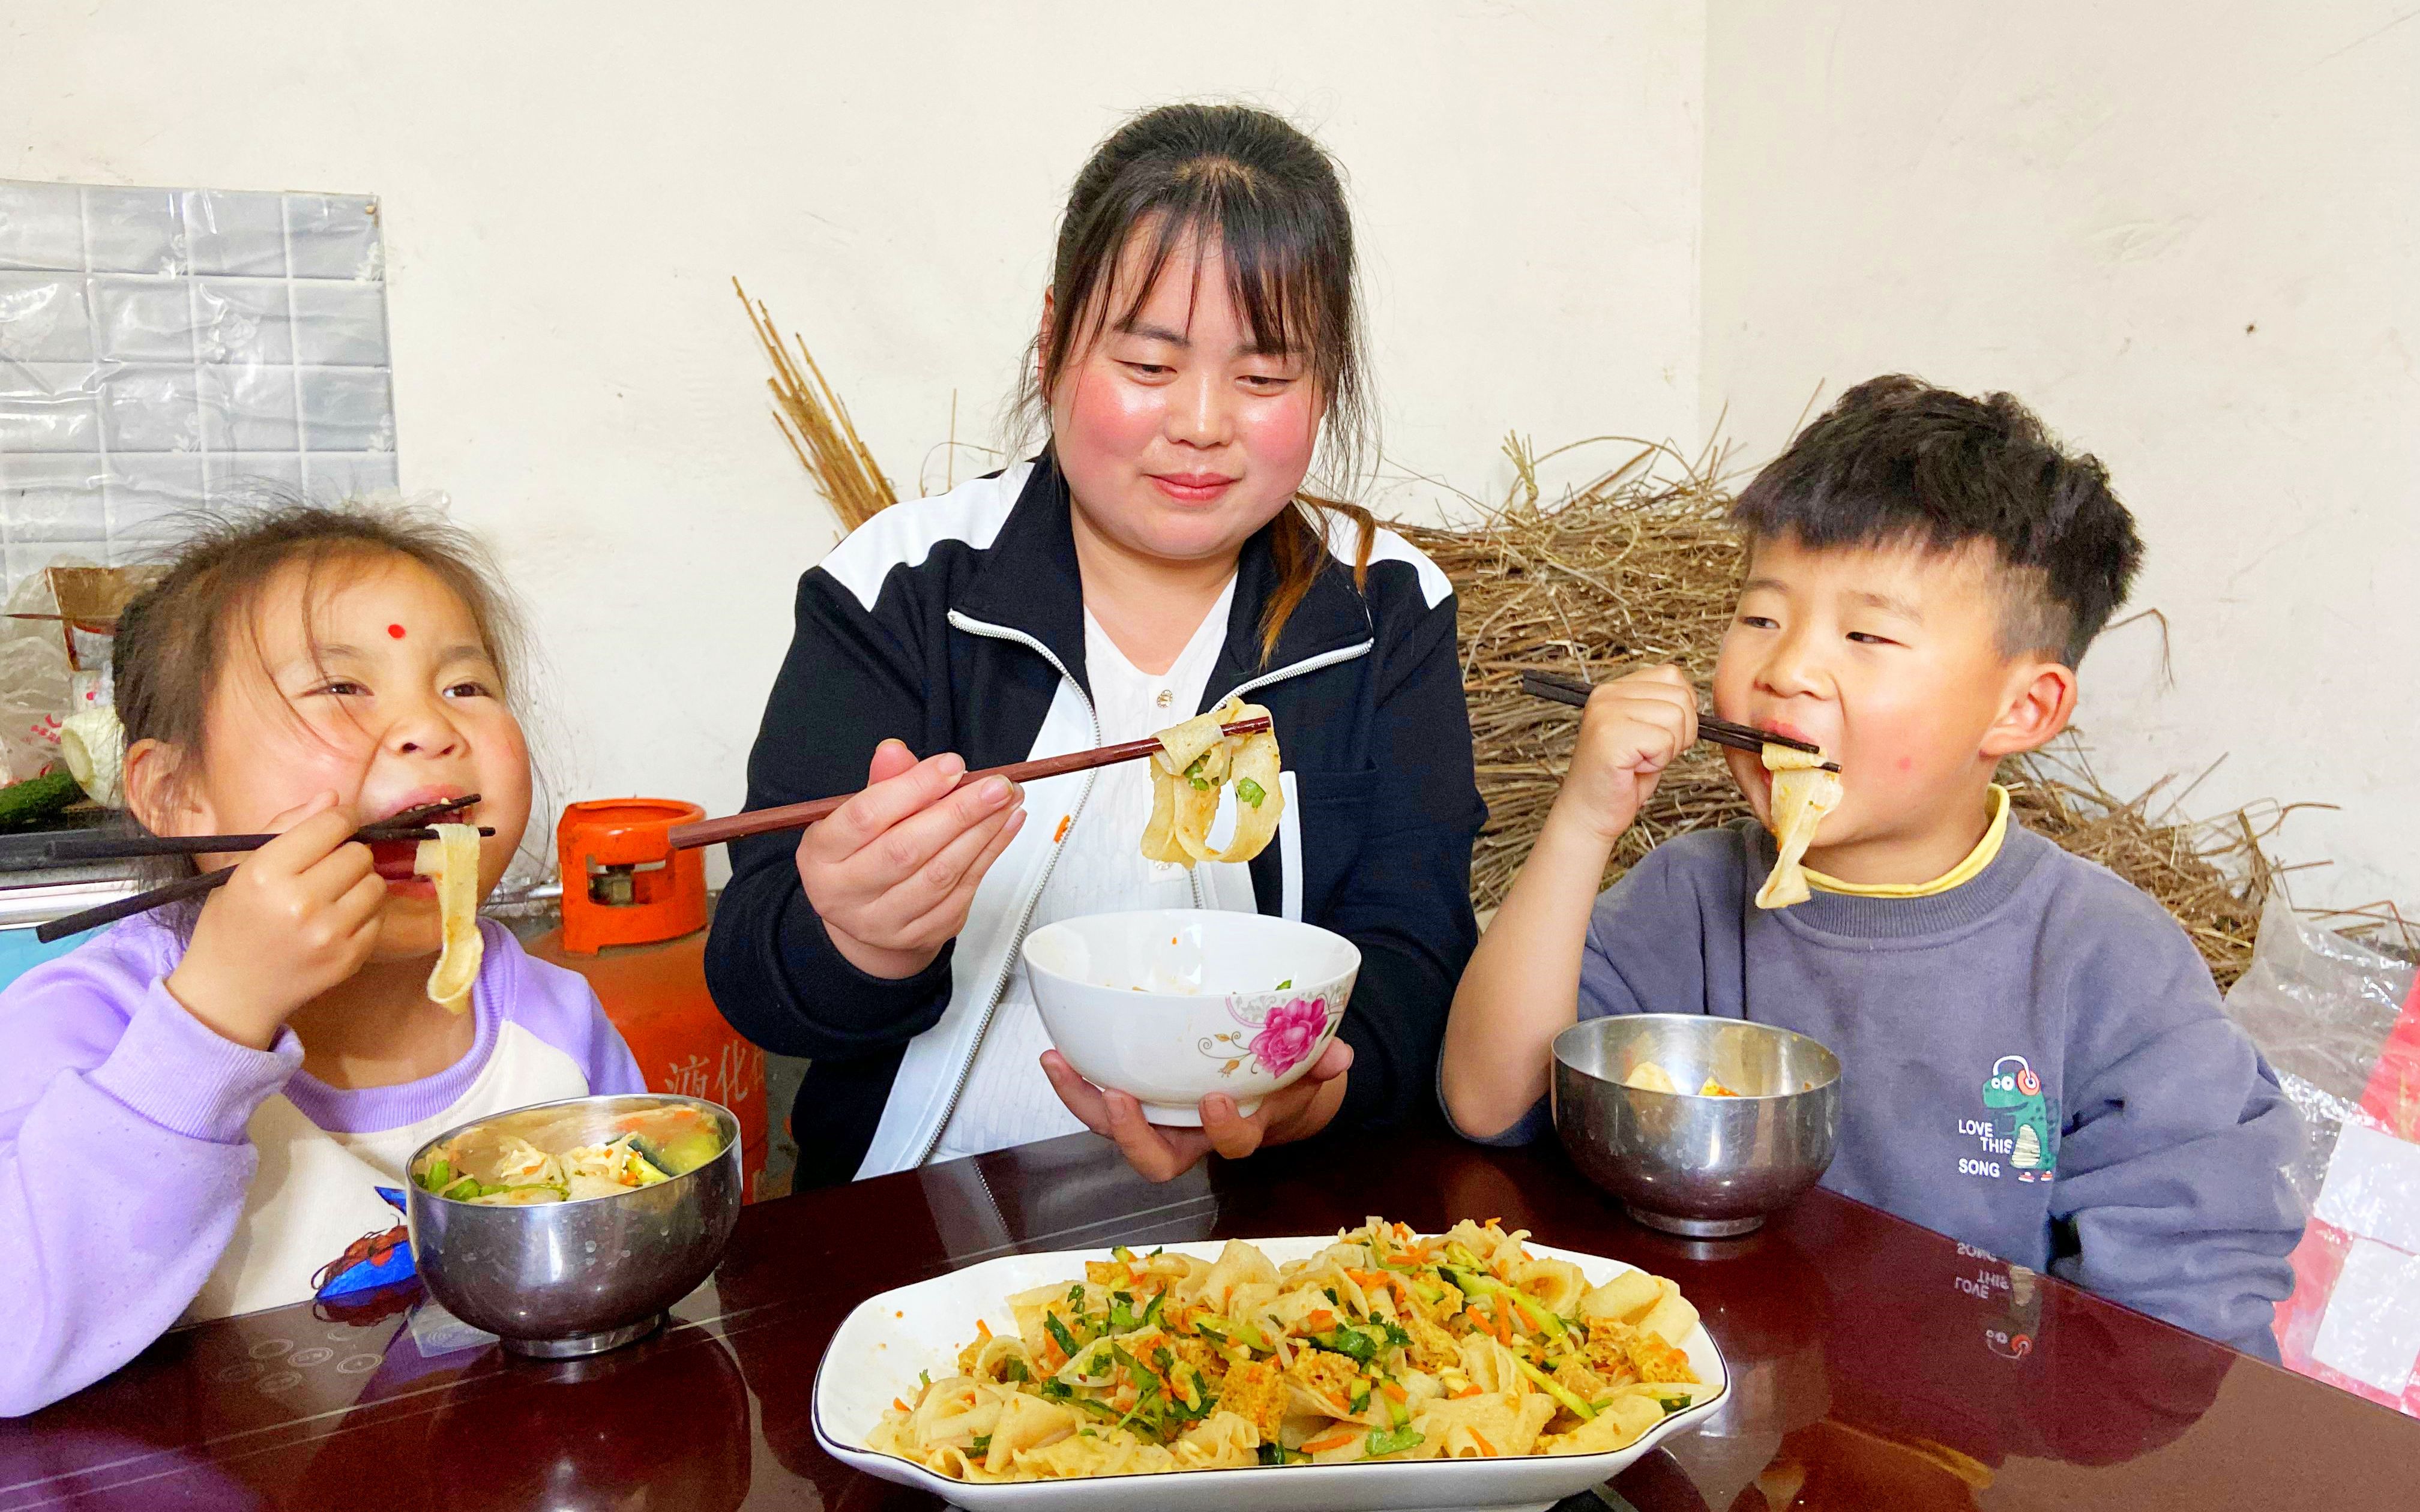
(396, 630)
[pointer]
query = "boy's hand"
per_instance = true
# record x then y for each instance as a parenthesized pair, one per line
(299, 915)
(1635, 726)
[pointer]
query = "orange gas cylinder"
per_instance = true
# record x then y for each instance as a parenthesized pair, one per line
(635, 925)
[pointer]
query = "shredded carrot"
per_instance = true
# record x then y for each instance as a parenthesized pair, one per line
(1466, 1391)
(1333, 1441)
(1319, 1321)
(1061, 833)
(1394, 1393)
(897, 1403)
(1477, 1319)
(1484, 1448)
(1493, 1221)
(1503, 1326)
(983, 1329)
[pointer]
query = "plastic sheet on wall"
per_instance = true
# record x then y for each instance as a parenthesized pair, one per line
(163, 349)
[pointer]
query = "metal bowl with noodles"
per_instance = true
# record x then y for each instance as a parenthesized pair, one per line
(566, 1228)
(1700, 1125)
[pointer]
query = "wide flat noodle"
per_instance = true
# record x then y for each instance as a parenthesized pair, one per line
(1185, 799)
(1803, 793)
(1382, 1347)
(452, 860)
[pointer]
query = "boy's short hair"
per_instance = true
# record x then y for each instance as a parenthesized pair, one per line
(1898, 461)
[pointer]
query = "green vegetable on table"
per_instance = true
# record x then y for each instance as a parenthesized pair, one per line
(36, 798)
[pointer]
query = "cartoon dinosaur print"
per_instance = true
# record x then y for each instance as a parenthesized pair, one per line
(2013, 1091)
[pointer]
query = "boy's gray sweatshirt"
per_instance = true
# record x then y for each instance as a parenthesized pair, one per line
(2034, 1062)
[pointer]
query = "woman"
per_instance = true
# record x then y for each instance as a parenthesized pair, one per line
(1199, 346)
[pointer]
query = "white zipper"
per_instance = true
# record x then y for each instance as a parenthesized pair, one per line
(1025, 921)
(1309, 664)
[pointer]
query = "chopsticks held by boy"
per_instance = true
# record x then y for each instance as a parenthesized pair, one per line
(2034, 1058)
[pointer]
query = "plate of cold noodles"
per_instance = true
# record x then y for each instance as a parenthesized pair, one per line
(569, 1152)
(1375, 1366)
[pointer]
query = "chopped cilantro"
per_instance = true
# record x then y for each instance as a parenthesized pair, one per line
(1353, 1343)
(1379, 1444)
(1058, 1334)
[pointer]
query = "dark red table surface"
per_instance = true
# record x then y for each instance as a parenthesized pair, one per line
(1874, 1364)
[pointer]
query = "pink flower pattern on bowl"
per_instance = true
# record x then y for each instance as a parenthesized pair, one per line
(1289, 1032)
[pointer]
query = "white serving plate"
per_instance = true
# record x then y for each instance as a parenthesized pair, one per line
(876, 1354)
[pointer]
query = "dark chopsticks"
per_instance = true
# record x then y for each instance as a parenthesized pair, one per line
(800, 815)
(409, 824)
(131, 847)
(1720, 732)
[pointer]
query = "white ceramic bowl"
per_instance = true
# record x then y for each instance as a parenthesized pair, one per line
(1174, 1004)
(876, 1353)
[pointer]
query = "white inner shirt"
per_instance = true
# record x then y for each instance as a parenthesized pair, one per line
(1100, 869)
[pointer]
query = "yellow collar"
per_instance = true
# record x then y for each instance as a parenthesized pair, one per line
(1958, 875)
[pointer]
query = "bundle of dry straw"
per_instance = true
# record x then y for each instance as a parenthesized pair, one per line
(1636, 567)
(817, 425)
(1639, 566)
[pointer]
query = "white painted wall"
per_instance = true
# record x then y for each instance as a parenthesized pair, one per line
(2086, 205)
(568, 188)
(2185, 234)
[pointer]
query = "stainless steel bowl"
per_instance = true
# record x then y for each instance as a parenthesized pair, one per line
(572, 1278)
(1709, 1167)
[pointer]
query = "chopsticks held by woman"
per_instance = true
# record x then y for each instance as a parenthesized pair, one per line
(1159, 548)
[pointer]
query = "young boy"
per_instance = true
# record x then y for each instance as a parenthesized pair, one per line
(2034, 1060)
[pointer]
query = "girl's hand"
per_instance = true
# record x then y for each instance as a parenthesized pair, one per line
(893, 871)
(1634, 728)
(299, 915)
(1293, 1112)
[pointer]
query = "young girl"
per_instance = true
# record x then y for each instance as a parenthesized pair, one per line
(1198, 344)
(209, 1113)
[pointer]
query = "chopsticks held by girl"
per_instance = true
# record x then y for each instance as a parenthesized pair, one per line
(205, 1110)
(1197, 354)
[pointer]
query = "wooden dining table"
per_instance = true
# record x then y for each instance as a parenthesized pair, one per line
(1874, 1364)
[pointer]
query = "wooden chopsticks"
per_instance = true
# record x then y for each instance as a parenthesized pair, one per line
(409, 824)
(1720, 732)
(800, 815)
